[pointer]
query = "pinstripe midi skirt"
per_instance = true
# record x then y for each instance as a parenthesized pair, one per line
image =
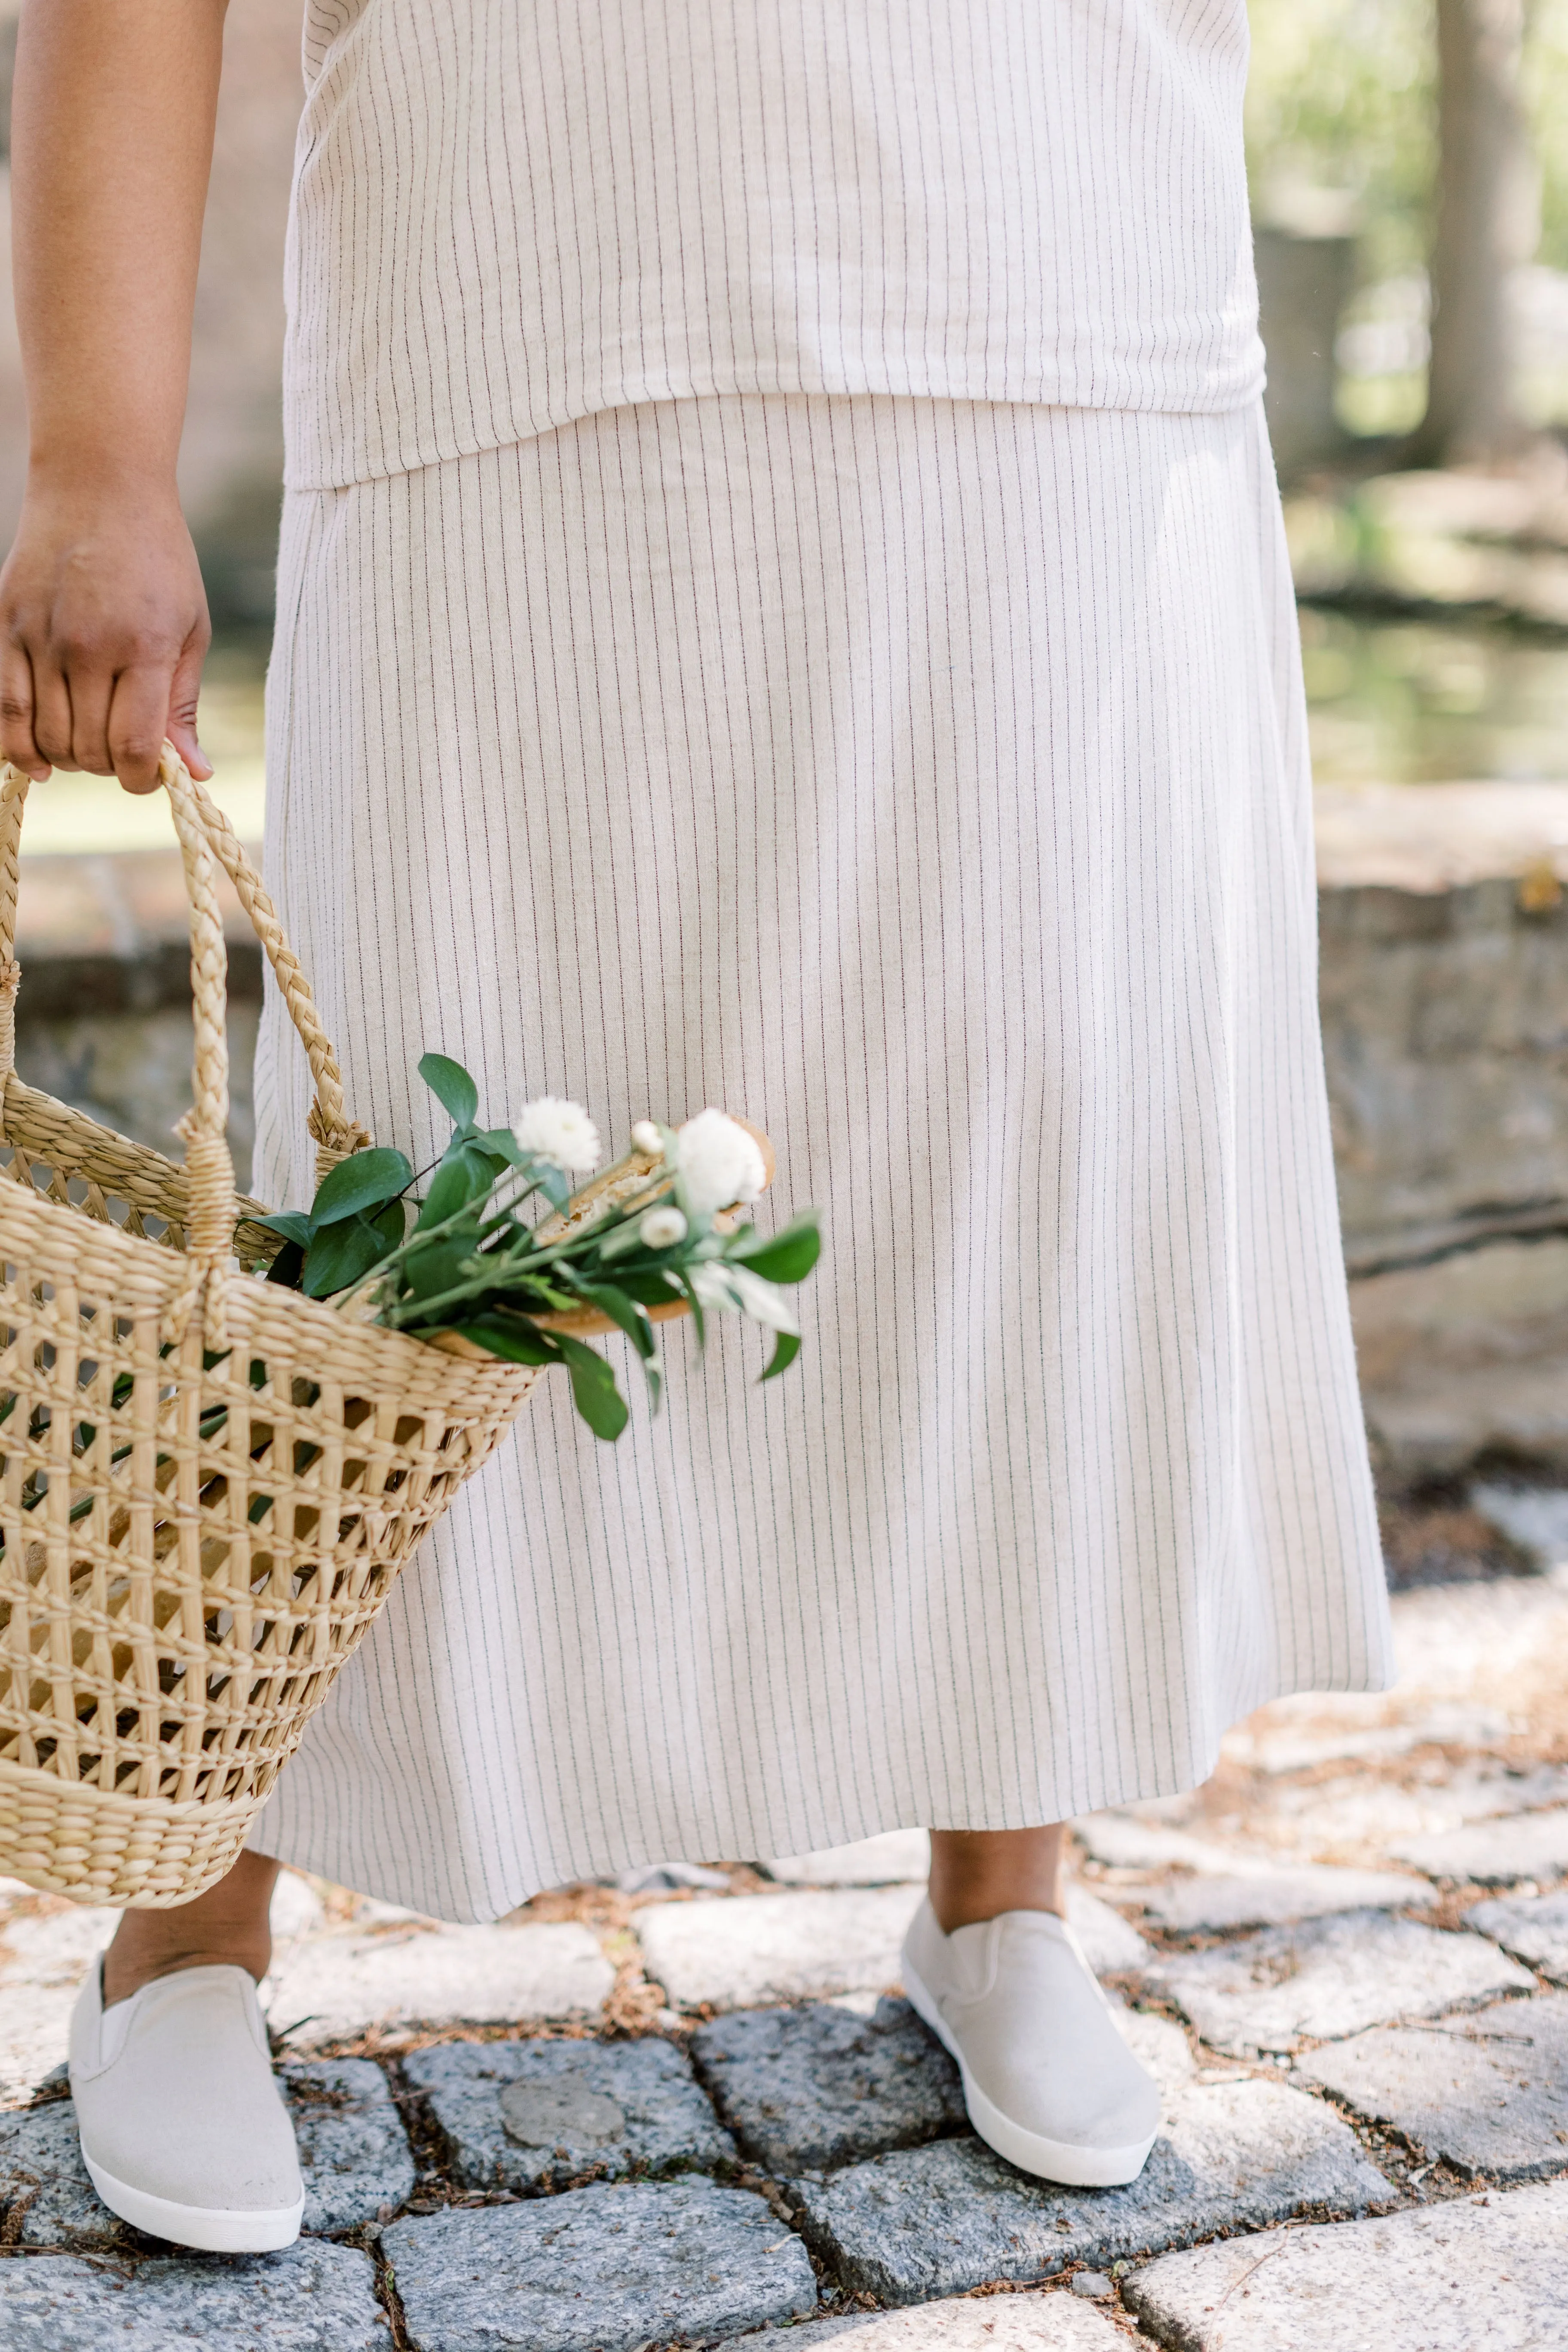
(927, 781)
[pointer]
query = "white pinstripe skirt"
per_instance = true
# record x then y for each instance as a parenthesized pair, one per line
(926, 781)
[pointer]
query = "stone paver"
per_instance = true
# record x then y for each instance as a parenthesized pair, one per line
(1111, 1945)
(1533, 1928)
(1125, 1842)
(1327, 1979)
(525, 2114)
(354, 2153)
(334, 1988)
(766, 1948)
(1266, 1898)
(317, 2297)
(1049, 2322)
(942, 2219)
(1473, 2274)
(1487, 2093)
(804, 2088)
(897, 1858)
(1531, 1845)
(815, 1942)
(598, 2269)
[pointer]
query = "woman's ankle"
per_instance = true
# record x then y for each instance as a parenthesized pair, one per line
(226, 1926)
(976, 1874)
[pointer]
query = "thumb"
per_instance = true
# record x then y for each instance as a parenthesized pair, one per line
(184, 689)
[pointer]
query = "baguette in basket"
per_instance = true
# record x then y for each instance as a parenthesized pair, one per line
(209, 1476)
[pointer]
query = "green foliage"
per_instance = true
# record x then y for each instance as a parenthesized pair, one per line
(474, 1263)
(452, 1087)
(1343, 94)
(1546, 96)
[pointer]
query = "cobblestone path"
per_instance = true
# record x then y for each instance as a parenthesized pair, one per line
(693, 2108)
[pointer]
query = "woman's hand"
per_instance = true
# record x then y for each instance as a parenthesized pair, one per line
(103, 630)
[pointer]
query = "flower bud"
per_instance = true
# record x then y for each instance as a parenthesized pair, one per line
(647, 1137)
(661, 1228)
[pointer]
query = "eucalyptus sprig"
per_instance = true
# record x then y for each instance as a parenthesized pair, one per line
(472, 1255)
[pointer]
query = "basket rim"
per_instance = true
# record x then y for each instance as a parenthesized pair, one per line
(403, 1363)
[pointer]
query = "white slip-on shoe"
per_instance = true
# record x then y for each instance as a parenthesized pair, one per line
(182, 2127)
(1048, 2081)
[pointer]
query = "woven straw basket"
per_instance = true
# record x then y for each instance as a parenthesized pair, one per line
(207, 1482)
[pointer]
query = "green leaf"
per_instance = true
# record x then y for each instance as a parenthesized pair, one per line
(451, 1086)
(339, 1255)
(700, 1320)
(621, 1310)
(787, 1256)
(651, 1288)
(465, 1174)
(503, 1143)
(288, 1267)
(594, 1389)
(293, 1225)
(784, 1353)
(365, 1180)
(438, 1267)
(513, 1339)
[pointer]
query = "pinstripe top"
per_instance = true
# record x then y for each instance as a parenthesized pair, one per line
(509, 214)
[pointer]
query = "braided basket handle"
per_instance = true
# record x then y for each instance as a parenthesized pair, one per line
(205, 836)
(337, 1135)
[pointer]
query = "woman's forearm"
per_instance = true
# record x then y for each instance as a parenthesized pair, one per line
(110, 149)
(102, 620)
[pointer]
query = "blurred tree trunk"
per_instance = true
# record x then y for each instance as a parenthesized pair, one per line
(1488, 222)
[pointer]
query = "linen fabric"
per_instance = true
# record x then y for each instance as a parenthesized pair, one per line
(510, 215)
(925, 780)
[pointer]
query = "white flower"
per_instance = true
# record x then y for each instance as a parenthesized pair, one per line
(725, 1288)
(720, 1163)
(647, 1137)
(662, 1228)
(562, 1131)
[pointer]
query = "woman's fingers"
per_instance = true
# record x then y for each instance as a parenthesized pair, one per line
(90, 685)
(17, 741)
(51, 710)
(136, 723)
(182, 693)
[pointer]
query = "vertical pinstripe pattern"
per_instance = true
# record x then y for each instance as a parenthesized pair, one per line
(927, 781)
(509, 214)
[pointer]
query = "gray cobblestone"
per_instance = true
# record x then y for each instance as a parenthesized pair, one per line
(951, 2216)
(317, 2297)
(524, 2114)
(1472, 2274)
(1326, 1979)
(1533, 1928)
(1051, 2321)
(804, 2088)
(333, 1987)
(1495, 1853)
(1487, 2093)
(1264, 1898)
(598, 2269)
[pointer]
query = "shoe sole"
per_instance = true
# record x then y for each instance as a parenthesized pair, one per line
(1049, 2159)
(211, 2229)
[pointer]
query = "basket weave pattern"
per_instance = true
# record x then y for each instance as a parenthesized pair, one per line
(207, 1482)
